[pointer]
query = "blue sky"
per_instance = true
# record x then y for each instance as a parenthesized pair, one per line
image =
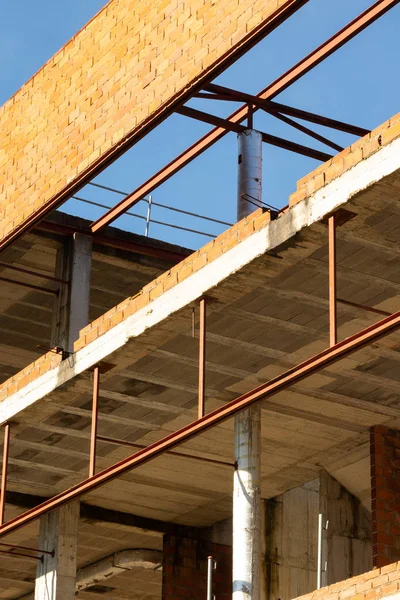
(359, 84)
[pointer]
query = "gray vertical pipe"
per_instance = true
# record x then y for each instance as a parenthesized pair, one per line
(246, 487)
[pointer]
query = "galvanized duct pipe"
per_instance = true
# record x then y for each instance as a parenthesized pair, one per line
(246, 550)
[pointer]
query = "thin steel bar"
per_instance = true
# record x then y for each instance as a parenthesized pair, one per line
(4, 471)
(332, 281)
(210, 566)
(30, 286)
(27, 548)
(192, 214)
(266, 137)
(276, 107)
(146, 231)
(93, 203)
(14, 554)
(279, 85)
(272, 387)
(118, 442)
(377, 311)
(95, 413)
(319, 552)
(202, 357)
(308, 131)
(34, 273)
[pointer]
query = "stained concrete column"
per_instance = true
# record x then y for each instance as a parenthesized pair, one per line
(71, 312)
(56, 575)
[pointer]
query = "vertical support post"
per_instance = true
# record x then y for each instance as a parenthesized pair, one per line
(332, 282)
(58, 534)
(71, 312)
(246, 550)
(4, 471)
(149, 203)
(95, 412)
(210, 567)
(202, 357)
(319, 555)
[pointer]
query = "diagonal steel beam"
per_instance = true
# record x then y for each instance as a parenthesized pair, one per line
(279, 85)
(171, 441)
(266, 137)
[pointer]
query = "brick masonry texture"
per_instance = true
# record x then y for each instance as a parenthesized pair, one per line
(107, 86)
(385, 494)
(185, 569)
(345, 160)
(372, 585)
(227, 240)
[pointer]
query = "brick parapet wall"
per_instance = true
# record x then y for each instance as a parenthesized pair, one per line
(385, 494)
(345, 160)
(108, 85)
(44, 363)
(185, 569)
(372, 585)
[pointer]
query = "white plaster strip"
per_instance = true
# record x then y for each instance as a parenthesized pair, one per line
(339, 191)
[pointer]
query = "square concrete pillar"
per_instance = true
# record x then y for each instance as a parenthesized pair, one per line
(56, 575)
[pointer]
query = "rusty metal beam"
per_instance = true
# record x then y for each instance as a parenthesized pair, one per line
(202, 358)
(95, 413)
(279, 85)
(4, 471)
(308, 131)
(171, 441)
(266, 137)
(332, 281)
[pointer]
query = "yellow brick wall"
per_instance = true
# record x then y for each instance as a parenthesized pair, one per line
(134, 59)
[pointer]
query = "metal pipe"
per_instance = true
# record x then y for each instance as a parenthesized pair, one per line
(249, 171)
(95, 412)
(246, 519)
(146, 231)
(210, 566)
(332, 282)
(319, 552)
(202, 358)
(4, 471)
(274, 386)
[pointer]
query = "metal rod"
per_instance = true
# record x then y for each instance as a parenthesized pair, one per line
(279, 85)
(371, 309)
(30, 286)
(266, 137)
(34, 273)
(95, 412)
(332, 282)
(202, 358)
(221, 414)
(210, 565)
(118, 442)
(27, 548)
(319, 552)
(14, 554)
(4, 471)
(308, 131)
(146, 231)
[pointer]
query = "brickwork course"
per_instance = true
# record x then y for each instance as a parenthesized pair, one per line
(373, 585)
(108, 86)
(185, 569)
(385, 494)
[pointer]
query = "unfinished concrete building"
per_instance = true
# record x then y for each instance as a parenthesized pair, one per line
(188, 425)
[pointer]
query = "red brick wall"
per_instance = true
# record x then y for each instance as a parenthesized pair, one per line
(385, 494)
(107, 85)
(185, 569)
(369, 586)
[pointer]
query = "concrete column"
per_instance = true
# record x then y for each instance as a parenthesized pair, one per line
(249, 172)
(55, 576)
(71, 312)
(246, 551)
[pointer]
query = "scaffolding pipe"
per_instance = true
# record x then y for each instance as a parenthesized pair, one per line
(246, 486)
(210, 566)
